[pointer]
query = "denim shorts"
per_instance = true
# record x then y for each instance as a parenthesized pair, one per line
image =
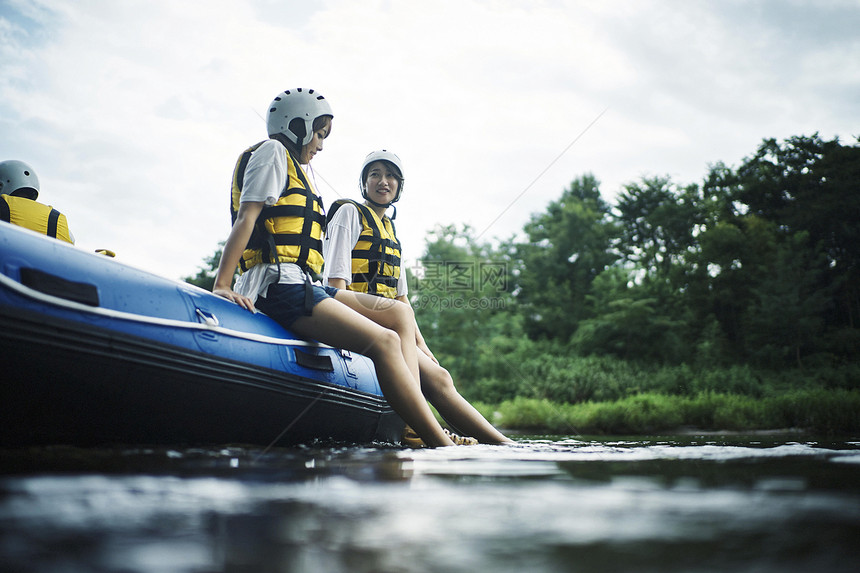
(286, 303)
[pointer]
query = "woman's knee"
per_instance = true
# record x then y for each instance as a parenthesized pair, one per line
(437, 381)
(386, 343)
(403, 317)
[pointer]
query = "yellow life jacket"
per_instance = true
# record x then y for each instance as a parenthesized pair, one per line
(292, 227)
(376, 255)
(33, 215)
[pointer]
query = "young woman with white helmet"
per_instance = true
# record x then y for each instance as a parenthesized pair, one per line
(363, 254)
(276, 242)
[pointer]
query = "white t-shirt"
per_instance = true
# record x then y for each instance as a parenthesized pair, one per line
(342, 234)
(265, 178)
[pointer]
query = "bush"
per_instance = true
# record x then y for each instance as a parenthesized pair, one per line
(543, 384)
(824, 411)
(820, 411)
(529, 413)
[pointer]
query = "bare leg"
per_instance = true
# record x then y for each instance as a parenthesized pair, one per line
(438, 386)
(335, 324)
(392, 315)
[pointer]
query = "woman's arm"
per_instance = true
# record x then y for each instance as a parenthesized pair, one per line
(233, 249)
(341, 236)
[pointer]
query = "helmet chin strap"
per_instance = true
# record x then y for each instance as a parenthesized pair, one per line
(383, 206)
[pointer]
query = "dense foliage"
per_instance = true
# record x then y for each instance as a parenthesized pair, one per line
(756, 266)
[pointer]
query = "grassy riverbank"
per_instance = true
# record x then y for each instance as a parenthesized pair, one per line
(834, 412)
(545, 387)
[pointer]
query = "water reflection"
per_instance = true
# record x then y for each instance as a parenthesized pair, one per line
(548, 504)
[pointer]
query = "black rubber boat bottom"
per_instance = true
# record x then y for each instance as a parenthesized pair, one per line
(68, 382)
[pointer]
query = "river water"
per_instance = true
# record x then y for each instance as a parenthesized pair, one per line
(673, 503)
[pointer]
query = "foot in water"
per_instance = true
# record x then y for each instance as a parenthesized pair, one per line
(460, 440)
(412, 440)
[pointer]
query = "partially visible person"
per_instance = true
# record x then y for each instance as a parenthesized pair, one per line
(19, 189)
(363, 254)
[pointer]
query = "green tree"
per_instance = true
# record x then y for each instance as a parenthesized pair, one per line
(628, 323)
(462, 298)
(810, 186)
(205, 277)
(715, 277)
(657, 222)
(568, 246)
(786, 313)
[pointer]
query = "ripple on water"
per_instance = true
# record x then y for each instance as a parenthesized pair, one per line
(658, 504)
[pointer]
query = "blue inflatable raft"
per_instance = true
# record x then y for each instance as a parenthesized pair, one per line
(98, 352)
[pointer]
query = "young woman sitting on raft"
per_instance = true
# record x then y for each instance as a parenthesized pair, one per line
(362, 254)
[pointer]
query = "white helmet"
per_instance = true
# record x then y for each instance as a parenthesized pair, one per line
(18, 176)
(306, 105)
(387, 156)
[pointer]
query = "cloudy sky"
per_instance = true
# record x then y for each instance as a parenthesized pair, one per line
(133, 112)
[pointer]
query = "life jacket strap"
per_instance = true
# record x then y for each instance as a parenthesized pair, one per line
(53, 218)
